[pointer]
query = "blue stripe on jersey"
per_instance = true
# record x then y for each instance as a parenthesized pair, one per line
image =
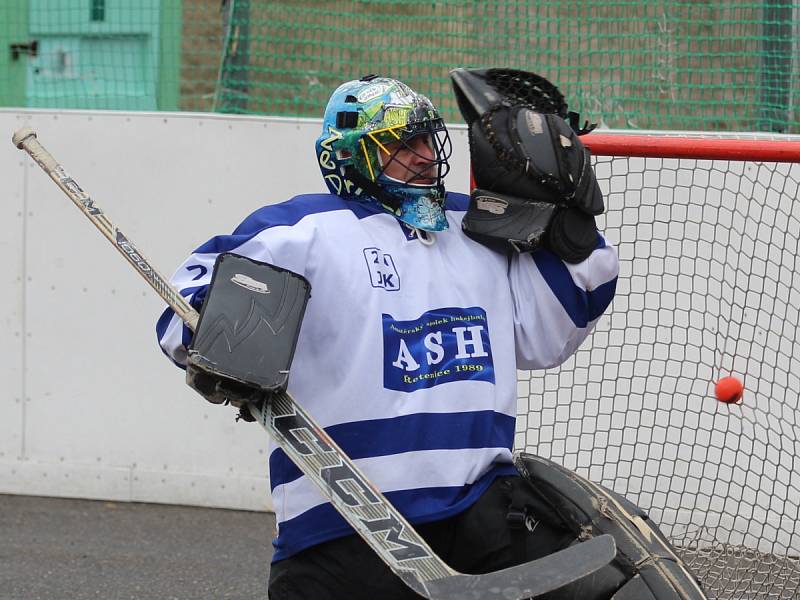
(600, 297)
(161, 329)
(285, 213)
(581, 306)
(456, 201)
(323, 523)
(408, 433)
(166, 317)
(290, 212)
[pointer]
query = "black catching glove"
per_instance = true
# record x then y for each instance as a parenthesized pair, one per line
(535, 184)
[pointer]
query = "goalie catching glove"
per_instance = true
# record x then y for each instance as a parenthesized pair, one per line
(534, 181)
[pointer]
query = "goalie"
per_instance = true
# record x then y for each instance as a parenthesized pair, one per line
(412, 337)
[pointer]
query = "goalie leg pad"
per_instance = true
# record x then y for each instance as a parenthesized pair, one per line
(652, 570)
(247, 331)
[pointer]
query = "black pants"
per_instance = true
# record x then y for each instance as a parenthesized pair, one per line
(479, 540)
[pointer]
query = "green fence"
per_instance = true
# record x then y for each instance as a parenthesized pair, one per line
(691, 64)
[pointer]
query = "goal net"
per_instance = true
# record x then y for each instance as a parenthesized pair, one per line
(708, 234)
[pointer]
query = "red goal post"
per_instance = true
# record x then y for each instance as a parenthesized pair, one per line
(707, 228)
(741, 147)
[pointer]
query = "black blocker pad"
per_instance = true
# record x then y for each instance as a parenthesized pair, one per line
(248, 329)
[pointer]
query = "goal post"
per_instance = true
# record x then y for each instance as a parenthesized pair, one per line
(708, 234)
(743, 147)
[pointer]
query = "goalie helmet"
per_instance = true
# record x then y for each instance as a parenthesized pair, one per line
(367, 123)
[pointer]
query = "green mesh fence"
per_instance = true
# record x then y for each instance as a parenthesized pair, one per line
(712, 65)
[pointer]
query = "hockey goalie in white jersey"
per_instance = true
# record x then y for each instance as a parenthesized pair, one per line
(424, 304)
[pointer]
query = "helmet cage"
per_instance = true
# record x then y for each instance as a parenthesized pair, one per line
(381, 147)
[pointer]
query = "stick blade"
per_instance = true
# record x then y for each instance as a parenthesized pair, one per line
(530, 579)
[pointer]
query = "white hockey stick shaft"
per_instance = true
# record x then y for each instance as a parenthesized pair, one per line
(25, 139)
(361, 504)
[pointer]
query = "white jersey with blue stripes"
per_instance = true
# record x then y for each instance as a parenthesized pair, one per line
(408, 352)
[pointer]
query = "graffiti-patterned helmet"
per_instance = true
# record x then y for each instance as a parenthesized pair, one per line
(367, 123)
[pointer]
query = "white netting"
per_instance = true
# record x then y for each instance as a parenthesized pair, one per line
(708, 287)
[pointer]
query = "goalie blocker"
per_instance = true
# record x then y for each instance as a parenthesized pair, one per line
(247, 331)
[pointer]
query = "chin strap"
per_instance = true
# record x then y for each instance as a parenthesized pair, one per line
(390, 201)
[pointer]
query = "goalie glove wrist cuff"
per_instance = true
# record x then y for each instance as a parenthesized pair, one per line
(572, 235)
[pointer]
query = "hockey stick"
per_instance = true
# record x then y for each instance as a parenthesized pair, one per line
(361, 504)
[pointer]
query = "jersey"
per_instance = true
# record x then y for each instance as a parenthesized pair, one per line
(409, 348)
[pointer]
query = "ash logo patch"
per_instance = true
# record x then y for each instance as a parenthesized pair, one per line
(443, 345)
(382, 272)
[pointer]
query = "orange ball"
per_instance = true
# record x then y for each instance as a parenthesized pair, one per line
(729, 390)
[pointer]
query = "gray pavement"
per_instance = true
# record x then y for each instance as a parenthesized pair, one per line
(64, 549)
